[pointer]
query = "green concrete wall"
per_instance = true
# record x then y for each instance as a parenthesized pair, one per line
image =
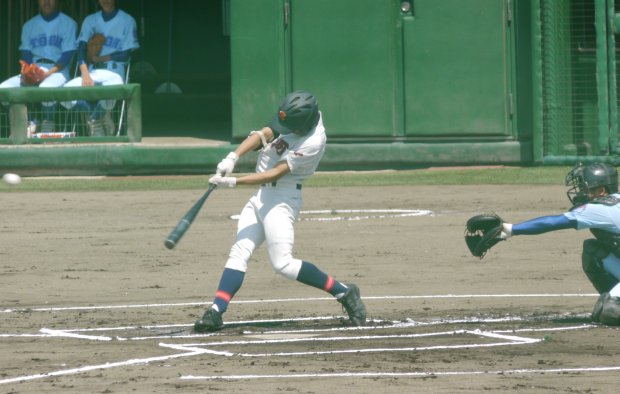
(137, 159)
(443, 70)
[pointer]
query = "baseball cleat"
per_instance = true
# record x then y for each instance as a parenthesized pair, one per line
(607, 310)
(353, 305)
(211, 321)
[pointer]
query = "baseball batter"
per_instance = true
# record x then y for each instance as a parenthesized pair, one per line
(291, 148)
(109, 67)
(596, 206)
(48, 39)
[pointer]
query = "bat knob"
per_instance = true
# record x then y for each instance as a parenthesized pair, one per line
(170, 244)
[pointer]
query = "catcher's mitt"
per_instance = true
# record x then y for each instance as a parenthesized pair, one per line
(31, 74)
(93, 48)
(482, 233)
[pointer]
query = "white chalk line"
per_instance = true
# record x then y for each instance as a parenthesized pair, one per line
(284, 300)
(192, 350)
(375, 214)
(401, 374)
(66, 334)
(489, 334)
(73, 371)
(198, 349)
(372, 324)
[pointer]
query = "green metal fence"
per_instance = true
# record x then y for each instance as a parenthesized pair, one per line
(579, 103)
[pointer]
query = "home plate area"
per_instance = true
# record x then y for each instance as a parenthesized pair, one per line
(432, 343)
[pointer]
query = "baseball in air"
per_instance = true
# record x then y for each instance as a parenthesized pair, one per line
(12, 179)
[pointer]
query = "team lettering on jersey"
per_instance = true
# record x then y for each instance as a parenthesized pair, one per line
(113, 42)
(280, 145)
(42, 40)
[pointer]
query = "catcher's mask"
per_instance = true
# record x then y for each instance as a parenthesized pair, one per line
(298, 114)
(583, 178)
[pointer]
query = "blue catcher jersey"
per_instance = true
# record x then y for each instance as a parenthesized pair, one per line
(49, 39)
(120, 32)
(599, 216)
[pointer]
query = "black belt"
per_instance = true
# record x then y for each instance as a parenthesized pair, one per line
(104, 65)
(45, 61)
(274, 184)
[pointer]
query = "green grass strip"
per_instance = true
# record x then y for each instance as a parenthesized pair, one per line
(431, 176)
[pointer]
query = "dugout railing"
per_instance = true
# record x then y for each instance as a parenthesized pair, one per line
(19, 105)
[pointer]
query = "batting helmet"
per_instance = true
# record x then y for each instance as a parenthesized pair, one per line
(298, 114)
(583, 178)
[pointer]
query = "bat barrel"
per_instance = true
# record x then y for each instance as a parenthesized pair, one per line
(183, 226)
(177, 233)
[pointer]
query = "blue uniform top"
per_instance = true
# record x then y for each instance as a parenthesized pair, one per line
(46, 39)
(120, 31)
(586, 216)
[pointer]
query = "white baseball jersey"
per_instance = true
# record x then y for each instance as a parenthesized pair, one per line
(302, 154)
(270, 214)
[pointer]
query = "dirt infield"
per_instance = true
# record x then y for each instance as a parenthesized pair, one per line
(91, 301)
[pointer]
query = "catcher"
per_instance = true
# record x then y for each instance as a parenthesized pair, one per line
(593, 191)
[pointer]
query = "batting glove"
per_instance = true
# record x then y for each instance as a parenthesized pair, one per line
(227, 165)
(506, 231)
(219, 181)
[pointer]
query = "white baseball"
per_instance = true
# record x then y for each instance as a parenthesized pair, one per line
(12, 179)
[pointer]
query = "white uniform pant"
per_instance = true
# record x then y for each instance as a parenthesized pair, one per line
(55, 80)
(269, 216)
(100, 77)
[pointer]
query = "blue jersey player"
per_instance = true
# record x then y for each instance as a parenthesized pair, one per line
(596, 206)
(48, 39)
(109, 67)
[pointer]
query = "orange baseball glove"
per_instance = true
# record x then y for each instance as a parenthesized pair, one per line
(93, 48)
(31, 74)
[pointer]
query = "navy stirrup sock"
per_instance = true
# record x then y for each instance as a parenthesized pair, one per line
(230, 283)
(310, 275)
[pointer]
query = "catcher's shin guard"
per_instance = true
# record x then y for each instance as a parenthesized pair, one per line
(592, 264)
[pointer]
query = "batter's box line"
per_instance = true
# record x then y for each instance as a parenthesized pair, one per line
(508, 340)
(404, 374)
(286, 300)
(184, 331)
(372, 324)
(192, 350)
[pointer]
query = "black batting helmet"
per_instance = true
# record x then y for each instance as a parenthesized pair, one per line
(583, 178)
(298, 113)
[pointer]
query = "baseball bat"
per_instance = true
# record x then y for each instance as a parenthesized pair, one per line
(187, 220)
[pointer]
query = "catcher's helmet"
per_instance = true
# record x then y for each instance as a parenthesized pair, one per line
(583, 178)
(298, 113)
